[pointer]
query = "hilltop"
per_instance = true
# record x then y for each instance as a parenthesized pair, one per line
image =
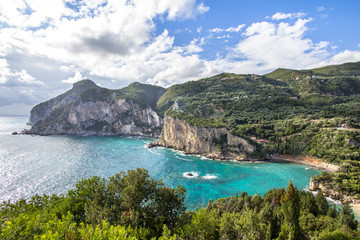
(88, 109)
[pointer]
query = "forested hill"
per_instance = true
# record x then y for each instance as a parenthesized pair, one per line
(314, 112)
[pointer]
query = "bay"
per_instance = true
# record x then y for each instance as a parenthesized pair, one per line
(53, 164)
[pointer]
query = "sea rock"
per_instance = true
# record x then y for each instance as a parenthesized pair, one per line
(215, 143)
(313, 185)
(91, 110)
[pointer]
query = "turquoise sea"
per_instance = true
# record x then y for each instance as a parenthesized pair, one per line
(52, 164)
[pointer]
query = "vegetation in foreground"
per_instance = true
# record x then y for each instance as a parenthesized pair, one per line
(134, 206)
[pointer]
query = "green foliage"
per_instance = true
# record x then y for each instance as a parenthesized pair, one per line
(347, 217)
(128, 205)
(297, 113)
(321, 203)
(144, 95)
(279, 214)
(291, 208)
(345, 181)
(335, 236)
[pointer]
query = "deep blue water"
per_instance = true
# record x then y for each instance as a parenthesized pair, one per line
(36, 165)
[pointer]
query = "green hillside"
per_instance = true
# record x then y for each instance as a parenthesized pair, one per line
(346, 69)
(143, 95)
(288, 108)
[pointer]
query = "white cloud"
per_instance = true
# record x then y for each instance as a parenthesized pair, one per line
(216, 30)
(193, 47)
(223, 36)
(230, 29)
(268, 46)
(67, 68)
(280, 15)
(77, 77)
(321, 8)
(11, 77)
(32, 13)
(117, 42)
(346, 56)
(111, 40)
(235, 29)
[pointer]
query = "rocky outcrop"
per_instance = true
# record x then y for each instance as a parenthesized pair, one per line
(215, 143)
(332, 193)
(90, 110)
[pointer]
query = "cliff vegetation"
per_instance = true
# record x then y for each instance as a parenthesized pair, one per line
(314, 112)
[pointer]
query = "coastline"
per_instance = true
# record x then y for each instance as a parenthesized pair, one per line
(301, 159)
(307, 160)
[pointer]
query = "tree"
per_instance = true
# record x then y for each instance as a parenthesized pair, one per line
(321, 203)
(347, 217)
(291, 207)
(131, 198)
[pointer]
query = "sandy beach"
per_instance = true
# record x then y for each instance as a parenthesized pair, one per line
(307, 160)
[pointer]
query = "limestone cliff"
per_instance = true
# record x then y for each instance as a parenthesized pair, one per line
(91, 110)
(215, 143)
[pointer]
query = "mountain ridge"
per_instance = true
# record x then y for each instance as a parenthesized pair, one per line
(275, 115)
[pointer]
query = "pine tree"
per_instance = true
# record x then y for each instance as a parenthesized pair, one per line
(321, 203)
(347, 217)
(291, 207)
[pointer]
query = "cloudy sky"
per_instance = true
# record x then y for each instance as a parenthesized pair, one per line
(47, 45)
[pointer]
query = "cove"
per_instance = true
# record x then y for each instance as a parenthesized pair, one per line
(52, 164)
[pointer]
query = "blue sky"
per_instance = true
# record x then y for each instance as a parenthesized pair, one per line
(47, 45)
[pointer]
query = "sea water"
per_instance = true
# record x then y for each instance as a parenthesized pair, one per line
(53, 164)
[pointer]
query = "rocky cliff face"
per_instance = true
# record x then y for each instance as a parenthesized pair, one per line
(215, 143)
(90, 110)
(330, 192)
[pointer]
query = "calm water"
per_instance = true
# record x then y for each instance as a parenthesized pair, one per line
(53, 164)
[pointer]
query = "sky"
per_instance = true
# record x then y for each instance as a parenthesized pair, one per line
(47, 45)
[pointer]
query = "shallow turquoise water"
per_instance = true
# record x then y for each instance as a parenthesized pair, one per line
(53, 164)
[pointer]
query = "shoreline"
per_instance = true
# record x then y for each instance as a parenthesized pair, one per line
(284, 158)
(301, 159)
(307, 160)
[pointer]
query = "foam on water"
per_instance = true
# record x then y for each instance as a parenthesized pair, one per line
(189, 160)
(209, 177)
(153, 152)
